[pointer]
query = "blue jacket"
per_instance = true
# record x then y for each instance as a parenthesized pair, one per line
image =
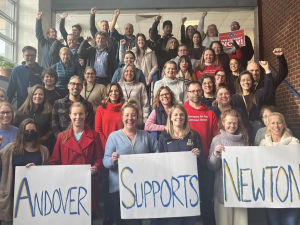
(21, 78)
(118, 75)
(64, 73)
(45, 44)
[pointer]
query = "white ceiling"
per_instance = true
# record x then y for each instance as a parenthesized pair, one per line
(221, 18)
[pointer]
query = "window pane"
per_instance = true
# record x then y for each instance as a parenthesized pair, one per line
(7, 7)
(6, 50)
(6, 28)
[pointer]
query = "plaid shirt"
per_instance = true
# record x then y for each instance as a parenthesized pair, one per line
(60, 114)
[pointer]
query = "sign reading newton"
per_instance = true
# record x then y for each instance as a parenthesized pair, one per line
(266, 177)
(158, 185)
(57, 195)
(238, 36)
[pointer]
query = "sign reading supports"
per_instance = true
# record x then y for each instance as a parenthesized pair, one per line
(266, 177)
(238, 36)
(57, 195)
(158, 185)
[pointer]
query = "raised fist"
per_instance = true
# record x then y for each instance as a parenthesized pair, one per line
(89, 38)
(265, 65)
(117, 12)
(278, 51)
(183, 20)
(64, 15)
(122, 42)
(93, 10)
(158, 18)
(204, 14)
(60, 39)
(39, 15)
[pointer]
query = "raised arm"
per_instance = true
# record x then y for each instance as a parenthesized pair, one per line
(83, 51)
(39, 30)
(154, 32)
(154, 68)
(269, 89)
(114, 20)
(144, 104)
(283, 67)
(182, 31)
(93, 28)
(55, 47)
(121, 50)
(62, 28)
(201, 24)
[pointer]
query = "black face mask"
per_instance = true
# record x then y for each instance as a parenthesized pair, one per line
(30, 135)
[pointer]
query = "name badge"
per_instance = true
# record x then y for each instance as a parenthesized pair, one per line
(189, 142)
(98, 59)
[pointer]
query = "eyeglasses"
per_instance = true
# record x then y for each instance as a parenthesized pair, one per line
(2, 113)
(235, 25)
(195, 91)
(164, 95)
(75, 84)
(27, 56)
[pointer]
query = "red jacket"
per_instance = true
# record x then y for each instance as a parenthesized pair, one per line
(108, 120)
(87, 151)
(205, 122)
(208, 70)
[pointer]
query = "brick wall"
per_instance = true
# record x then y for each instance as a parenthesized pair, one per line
(280, 21)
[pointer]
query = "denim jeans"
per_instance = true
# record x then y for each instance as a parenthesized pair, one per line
(288, 216)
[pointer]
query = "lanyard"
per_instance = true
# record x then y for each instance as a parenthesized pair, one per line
(85, 91)
(128, 95)
(245, 105)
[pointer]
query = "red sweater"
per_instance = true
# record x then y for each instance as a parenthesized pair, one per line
(108, 120)
(208, 70)
(205, 122)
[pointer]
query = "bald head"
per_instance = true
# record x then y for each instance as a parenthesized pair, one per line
(254, 69)
(128, 29)
(235, 26)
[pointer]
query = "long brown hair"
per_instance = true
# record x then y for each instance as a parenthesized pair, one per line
(28, 106)
(18, 143)
(186, 125)
(138, 50)
(239, 91)
(108, 89)
(241, 129)
(215, 63)
(156, 100)
(66, 132)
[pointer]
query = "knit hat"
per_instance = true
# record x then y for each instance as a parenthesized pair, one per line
(167, 22)
(77, 26)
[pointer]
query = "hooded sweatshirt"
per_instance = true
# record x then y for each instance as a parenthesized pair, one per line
(205, 122)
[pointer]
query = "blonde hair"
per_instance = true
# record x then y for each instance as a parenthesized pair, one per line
(74, 105)
(132, 104)
(241, 129)
(28, 106)
(123, 72)
(169, 42)
(186, 125)
(201, 66)
(63, 49)
(284, 132)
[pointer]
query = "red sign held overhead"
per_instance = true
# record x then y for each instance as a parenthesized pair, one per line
(238, 36)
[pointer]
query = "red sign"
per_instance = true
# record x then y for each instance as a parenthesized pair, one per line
(238, 36)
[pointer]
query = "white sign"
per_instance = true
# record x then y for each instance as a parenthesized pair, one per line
(57, 195)
(266, 177)
(158, 185)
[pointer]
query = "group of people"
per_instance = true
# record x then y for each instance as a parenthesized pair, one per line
(89, 105)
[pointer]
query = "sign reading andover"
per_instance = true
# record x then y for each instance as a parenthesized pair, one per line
(158, 185)
(57, 195)
(267, 177)
(238, 36)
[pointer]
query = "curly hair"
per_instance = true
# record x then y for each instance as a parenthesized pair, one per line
(156, 100)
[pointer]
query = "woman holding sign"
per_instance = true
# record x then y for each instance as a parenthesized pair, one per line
(128, 140)
(25, 150)
(79, 145)
(180, 137)
(232, 133)
(277, 135)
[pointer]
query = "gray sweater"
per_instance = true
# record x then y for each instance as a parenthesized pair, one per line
(215, 163)
(119, 142)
